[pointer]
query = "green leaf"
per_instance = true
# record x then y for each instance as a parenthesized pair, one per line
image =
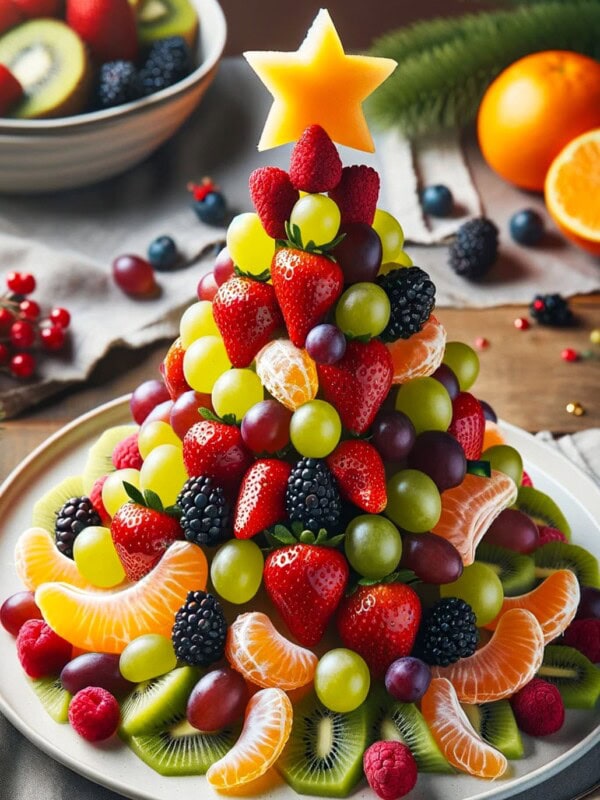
(134, 493)
(307, 537)
(402, 576)
(297, 527)
(174, 511)
(261, 277)
(282, 535)
(334, 541)
(364, 338)
(481, 468)
(153, 500)
(226, 419)
(369, 581)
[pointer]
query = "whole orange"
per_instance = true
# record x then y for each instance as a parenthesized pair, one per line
(533, 109)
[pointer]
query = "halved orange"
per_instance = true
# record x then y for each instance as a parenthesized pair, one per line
(419, 355)
(502, 666)
(572, 191)
(37, 561)
(455, 736)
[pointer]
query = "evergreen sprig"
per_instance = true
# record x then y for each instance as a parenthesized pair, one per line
(445, 65)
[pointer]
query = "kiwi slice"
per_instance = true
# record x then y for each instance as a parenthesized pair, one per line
(52, 64)
(576, 678)
(181, 749)
(156, 704)
(496, 724)
(49, 504)
(542, 509)
(553, 556)
(515, 570)
(157, 19)
(53, 697)
(324, 753)
(99, 459)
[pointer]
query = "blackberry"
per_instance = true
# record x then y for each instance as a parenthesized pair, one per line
(118, 82)
(206, 515)
(312, 496)
(475, 249)
(200, 630)
(551, 309)
(412, 296)
(169, 60)
(447, 632)
(75, 515)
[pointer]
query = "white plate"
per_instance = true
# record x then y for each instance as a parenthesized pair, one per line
(114, 766)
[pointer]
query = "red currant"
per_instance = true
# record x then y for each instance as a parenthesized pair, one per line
(6, 318)
(20, 282)
(22, 333)
(22, 365)
(60, 316)
(4, 354)
(521, 324)
(29, 309)
(568, 354)
(53, 337)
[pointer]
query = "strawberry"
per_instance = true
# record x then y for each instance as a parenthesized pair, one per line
(261, 501)
(273, 197)
(10, 15)
(358, 383)
(126, 454)
(172, 370)
(32, 9)
(380, 623)
(356, 194)
(360, 474)
(307, 285)
(216, 450)
(107, 27)
(11, 90)
(141, 531)
(246, 314)
(315, 164)
(306, 583)
(468, 424)
(97, 502)
(526, 479)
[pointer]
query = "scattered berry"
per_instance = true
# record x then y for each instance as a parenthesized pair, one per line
(390, 769)
(209, 204)
(94, 714)
(163, 254)
(481, 343)
(568, 354)
(273, 196)
(411, 293)
(41, 651)
(118, 82)
(584, 635)
(475, 249)
(575, 408)
(356, 194)
(168, 61)
(206, 515)
(312, 496)
(315, 164)
(200, 630)
(437, 201)
(126, 454)
(521, 324)
(75, 515)
(538, 708)
(448, 632)
(527, 227)
(547, 534)
(134, 276)
(551, 309)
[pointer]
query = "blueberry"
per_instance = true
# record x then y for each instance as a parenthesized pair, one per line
(212, 209)
(526, 227)
(437, 200)
(163, 253)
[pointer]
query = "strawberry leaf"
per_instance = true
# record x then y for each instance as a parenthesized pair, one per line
(297, 527)
(369, 581)
(307, 537)
(364, 338)
(262, 277)
(333, 542)
(402, 576)
(226, 419)
(282, 535)
(134, 493)
(153, 501)
(174, 511)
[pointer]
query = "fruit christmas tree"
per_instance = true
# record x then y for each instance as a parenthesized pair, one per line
(386, 585)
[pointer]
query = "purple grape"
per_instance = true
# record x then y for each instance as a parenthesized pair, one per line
(488, 411)
(448, 379)
(407, 679)
(432, 558)
(161, 412)
(514, 530)
(393, 435)
(95, 669)
(185, 413)
(217, 700)
(146, 397)
(359, 253)
(266, 427)
(224, 267)
(326, 344)
(134, 275)
(440, 456)
(589, 604)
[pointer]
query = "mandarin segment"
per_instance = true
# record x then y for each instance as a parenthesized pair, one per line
(421, 354)
(38, 561)
(288, 373)
(492, 435)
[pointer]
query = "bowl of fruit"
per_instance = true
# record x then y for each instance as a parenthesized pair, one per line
(79, 103)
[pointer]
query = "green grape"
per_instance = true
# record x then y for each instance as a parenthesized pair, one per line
(373, 545)
(96, 558)
(315, 429)
(363, 310)
(480, 587)
(236, 391)
(402, 260)
(391, 235)
(464, 363)
(506, 459)
(250, 246)
(147, 657)
(114, 494)
(154, 433)
(204, 361)
(342, 680)
(318, 218)
(236, 570)
(197, 321)
(163, 472)
(414, 502)
(426, 403)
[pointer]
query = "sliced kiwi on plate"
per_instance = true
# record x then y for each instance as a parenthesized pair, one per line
(53, 697)
(553, 556)
(515, 570)
(99, 459)
(158, 19)
(496, 724)
(155, 705)
(52, 64)
(542, 509)
(576, 678)
(50, 503)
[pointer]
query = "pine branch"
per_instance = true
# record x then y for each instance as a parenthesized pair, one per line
(445, 65)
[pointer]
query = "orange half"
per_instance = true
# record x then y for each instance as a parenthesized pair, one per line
(37, 561)
(419, 355)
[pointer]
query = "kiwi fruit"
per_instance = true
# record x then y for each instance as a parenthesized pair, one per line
(157, 19)
(542, 509)
(99, 459)
(515, 570)
(53, 697)
(553, 556)
(156, 704)
(324, 753)
(50, 503)
(52, 64)
(496, 724)
(576, 678)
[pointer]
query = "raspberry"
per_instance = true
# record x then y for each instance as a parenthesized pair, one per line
(356, 194)
(390, 769)
(126, 454)
(584, 635)
(315, 165)
(526, 479)
(550, 535)
(274, 197)
(96, 499)
(41, 651)
(538, 708)
(94, 713)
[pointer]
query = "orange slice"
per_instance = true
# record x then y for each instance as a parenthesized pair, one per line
(265, 657)
(492, 435)
(502, 666)
(105, 622)
(288, 373)
(419, 355)
(553, 603)
(469, 509)
(455, 736)
(37, 561)
(572, 191)
(267, 727)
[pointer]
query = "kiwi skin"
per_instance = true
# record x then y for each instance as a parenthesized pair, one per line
(576, 678)
(515, 570)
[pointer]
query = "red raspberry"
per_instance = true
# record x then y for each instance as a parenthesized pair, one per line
(94, 713)
(274, 197)
(356, 194)
(584, 635)
(526, 479)
(315, 165)
(538, 708)
(390, 769)
(96, 499)
(126, 454)
(41, 651)
(550, 535)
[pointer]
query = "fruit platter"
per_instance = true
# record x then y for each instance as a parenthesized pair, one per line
(305, 559)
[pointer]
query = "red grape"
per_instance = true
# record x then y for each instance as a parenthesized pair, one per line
(407, 679)
(22, 365)
(589, 604)
(217, 700)
(20, 282)
(185, 412)
(146, 397)
(488, 411)
(223, 268)
(359, 253)
(393, 435)
(134, 275)
(514, 530)
(161, 412)
(207, 287)
(448, 379)
(266, 427)
(22, 333)
(60, 316)
(432, 558)
(440, 456)
(94, 669)
(17, 609)
(326, 344)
